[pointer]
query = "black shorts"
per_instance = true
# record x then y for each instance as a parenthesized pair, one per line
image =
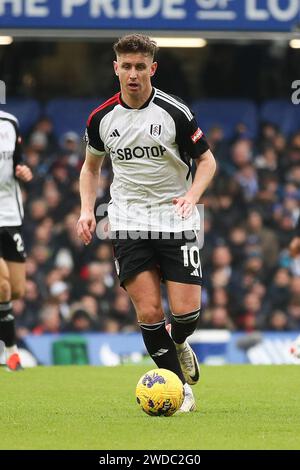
(176, 255)
(12, 244)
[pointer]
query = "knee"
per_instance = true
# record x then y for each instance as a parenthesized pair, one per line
(182, 309)
(150, 314)
(18, 292)
(5, 290)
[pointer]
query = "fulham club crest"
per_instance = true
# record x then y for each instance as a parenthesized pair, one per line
(155, 130)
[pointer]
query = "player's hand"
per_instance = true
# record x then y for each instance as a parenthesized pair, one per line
(86, 226)
(24, 173)
(184, 206)
(295, 247)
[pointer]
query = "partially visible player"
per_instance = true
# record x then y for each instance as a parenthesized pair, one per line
(12, 251)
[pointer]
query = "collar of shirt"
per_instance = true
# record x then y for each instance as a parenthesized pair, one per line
(141, 107)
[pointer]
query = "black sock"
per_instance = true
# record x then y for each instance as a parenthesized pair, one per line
(7, 324)
(161, 348)
(183, 326)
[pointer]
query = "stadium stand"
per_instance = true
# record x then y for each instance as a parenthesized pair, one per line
(226, 114)
(251, 208)
(282, 113)
(27, 111)
(70, 114)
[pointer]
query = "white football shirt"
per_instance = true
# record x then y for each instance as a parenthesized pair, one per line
(151, 150)
(11, 207)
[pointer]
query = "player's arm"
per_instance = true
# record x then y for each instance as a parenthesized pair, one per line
(191, 141)
(89, 177)
(206, 167)
(88, 182)
(22, 171)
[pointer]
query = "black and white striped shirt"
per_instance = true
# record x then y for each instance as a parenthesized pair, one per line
(151, 150)
(11, 207)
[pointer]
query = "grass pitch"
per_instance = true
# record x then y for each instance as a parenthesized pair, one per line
(85, 407)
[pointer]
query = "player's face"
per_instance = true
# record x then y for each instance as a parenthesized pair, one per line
(135, 71)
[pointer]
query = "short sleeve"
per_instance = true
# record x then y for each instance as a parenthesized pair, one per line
(92, 136)
(18, 151)
(190, 137)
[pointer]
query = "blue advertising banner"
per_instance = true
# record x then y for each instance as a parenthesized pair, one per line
(91, 348)
(167, 15)
(212, 347)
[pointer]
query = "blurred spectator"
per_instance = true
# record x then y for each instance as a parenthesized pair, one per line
(227, 213)
(241, 153)
(221, 267)
(251, 309)
(237, 243)
(263, 237)
(44, 130)
(293, 311)
(59, 294)
(268, 134)
(71, 152)
(217, 317)
(80, 322)
(279, 293)
(122, 313)
(278, 321)
(49, 320)
(248, 180)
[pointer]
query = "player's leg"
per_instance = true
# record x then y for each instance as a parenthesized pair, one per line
(185, 301)
(17, 275)
(7, 321)
(185, 304)
(13, 252)
(144, 291)
(181, 269)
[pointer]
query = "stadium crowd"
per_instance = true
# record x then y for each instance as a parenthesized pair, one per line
(250, 281)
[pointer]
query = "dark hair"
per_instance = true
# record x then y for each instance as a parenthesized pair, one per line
(135, 43)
